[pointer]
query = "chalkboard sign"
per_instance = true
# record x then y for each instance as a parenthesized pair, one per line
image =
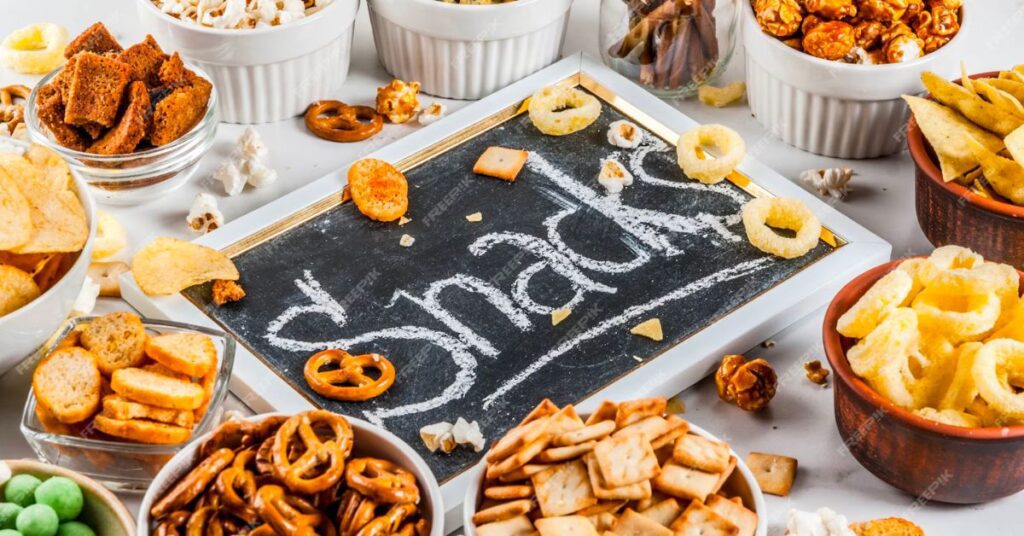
(464, 313)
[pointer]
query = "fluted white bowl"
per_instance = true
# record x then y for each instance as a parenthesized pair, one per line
(832, 108)
(467, 51)
(264, 74)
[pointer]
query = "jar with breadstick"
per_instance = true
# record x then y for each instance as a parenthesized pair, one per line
(671, 47)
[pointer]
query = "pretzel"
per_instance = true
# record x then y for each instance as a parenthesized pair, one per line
(170, 524)
(354, 512)
(290, 514)
(11, 113)
(189, 487)
(237, 487)
(296, 473)
(336, 121)
(348, 382)
(382, 480)
(204, 522)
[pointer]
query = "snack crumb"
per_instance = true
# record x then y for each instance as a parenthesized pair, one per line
(406, 241)
(649, 328)
(226, 291)
(815, 372)
(403, 220)
(475, 217)
(768, 344)
(558, 315)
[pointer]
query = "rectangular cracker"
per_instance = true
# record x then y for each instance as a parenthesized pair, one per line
(649, 428)
(632, 411)
(677, 427)
(630, 523)
(699, 520)
(638, 491)
(501, 163)
(626, 460)
(700, 453)
(684, 482)
(735, 512)
(502, 511)
(516, 526)
(563, 489)
(774, 473)
(566, 526)
(664, 512)
(724, 476)
(605, 412)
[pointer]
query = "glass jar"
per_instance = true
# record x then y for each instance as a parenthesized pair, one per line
(669, 47)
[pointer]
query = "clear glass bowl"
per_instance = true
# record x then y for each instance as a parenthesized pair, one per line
(670, 47)
(137, 177)
(121, 465)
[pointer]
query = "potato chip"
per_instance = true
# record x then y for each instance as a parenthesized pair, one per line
(56, 174)
(110, 236)
(379, 190)
(984, 114)
(1003, 100)
(888, 293)
(993, 365)
(15, 215)
(947, 133)
(169, 265)
(17, 289)
(1005, 176)
(57, 214)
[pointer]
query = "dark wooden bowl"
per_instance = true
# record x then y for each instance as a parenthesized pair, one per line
(950, 213)
(930, 460)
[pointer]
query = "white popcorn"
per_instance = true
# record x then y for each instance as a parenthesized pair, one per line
(624, 134)
(258, 174)
(231, 177)
(250, 145)
(468, 433)
(613, 176)
(204, 216)
(431, 113)
(238, 14)
(830, 182)
(824, 522)
(438, 435)
(85, 302)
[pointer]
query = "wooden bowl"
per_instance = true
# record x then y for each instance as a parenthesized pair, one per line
(930, 460)
(950, 213)
(103, 511)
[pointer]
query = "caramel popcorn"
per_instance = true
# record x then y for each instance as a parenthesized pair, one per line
(750, 385)
(398, 101)
(882, 10)
(831, 9)
(815, 372)
(868, 34)
(830, 40)
(780, 18)
(903, 47)
(810, 21)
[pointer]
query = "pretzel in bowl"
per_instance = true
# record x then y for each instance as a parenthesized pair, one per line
(382, 480)
(12, 114)
(336, 121)
(346, 379)
(290, 514)
(323, 439)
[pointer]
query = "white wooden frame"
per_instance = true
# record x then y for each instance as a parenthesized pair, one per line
(743, 328)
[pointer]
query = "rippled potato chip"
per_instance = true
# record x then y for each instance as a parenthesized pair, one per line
(58, 217)
(15, 215)
(169, 265)
(17, 289)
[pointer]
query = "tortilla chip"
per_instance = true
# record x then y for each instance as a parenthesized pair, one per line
(15, 215)
(1004, 175)
(1012, 75)
(168, 266)
(947, 132)
(1013, 87)
(1006, 102)
(984, 114)
(17, 289)
(1015, 145)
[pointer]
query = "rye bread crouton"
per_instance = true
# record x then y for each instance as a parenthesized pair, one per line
(131, 128)
(145, 61)
(67, 384)
(95, 90)
(177, 113)
(50, 108)
(95, 39)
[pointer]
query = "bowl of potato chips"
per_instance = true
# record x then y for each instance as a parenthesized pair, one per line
(47, 227)
(928, 355)
(967, 142)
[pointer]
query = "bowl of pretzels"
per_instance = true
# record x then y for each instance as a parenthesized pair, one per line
(312, 473)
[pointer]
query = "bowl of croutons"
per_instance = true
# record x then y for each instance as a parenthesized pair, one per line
(628, 468)
(116, 396)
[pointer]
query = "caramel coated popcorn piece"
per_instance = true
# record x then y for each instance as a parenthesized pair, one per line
(831, 9)
(750, 385)
(830, 40)
(398, 101)
(780, 18)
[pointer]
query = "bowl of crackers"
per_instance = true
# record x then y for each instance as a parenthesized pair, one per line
(314, 472)
(928, 355)
(47, 228)
(628, 468)
(967, 142)
(114, 397)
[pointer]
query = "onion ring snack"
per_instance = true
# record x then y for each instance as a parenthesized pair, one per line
(710, 170)
(557, 111)
(760, 215)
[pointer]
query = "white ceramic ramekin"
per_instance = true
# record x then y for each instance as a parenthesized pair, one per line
(264, 74)
(467, 51)
(26, 329)
(837, 109)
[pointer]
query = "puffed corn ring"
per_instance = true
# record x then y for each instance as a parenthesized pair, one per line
(897, 335)
(760, 215)
(947, 258)
(996, 362)
(707, 170)
(110, 236)
(34, 49)
(962, 389)
(951, 417)
(888, 293)
(962, 316)
(558, 111)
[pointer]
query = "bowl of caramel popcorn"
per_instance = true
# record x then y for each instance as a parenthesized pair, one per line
(826, 75)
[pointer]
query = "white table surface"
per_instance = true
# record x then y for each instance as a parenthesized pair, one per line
(800, 421)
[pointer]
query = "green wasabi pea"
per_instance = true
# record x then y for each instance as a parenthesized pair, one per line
(20, 489)
(73, 528)
(8, 513)
(38, 520)
(61, 494)
(9, 532)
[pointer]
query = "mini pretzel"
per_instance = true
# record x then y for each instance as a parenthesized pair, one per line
(12, 113)
(336, 121)
(189, 487)
(204, 522)
(382, 480)
(349, 381)
(170, 524)
(331, 447)
(289, 514)
(390, 522)
(354, 512)
(237, 488)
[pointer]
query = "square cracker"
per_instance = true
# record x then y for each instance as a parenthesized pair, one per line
(736, 513)
(650, 428)
(700, 453)
(664, 512)
(626, 460)
(546, 408)
(723, 477)
(684, 482)
(631, 523)
(501, 163)
(635, 410)
(563, 489)
(677, 428)
(774, 473)
(638, 491)
(605, 412)
(566, 526)
(699, 520)
(516, 526)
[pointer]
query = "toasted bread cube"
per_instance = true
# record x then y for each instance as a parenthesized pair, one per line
(131, 128)
(145, 61)
(50, 108)
(180, 111)
(95, 90)
(95, 39)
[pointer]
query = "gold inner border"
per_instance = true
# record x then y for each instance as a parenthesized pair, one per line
(410, 162)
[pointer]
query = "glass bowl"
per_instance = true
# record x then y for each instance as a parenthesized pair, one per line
(134, 178)
(121, 465)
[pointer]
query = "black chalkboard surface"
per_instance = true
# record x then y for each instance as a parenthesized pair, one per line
(464, 313)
